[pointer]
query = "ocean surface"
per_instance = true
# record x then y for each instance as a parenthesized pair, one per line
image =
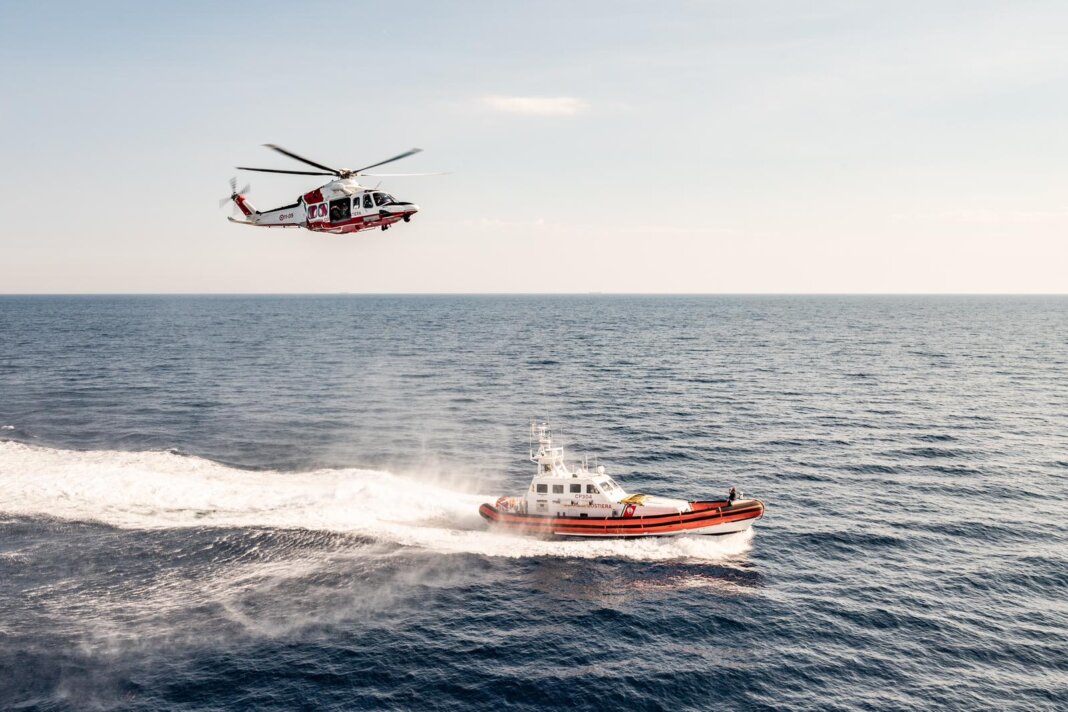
(270, 503)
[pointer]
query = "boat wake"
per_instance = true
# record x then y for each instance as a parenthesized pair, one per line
(160, 490)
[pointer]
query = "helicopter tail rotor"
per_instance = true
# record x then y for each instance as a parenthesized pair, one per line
(237, 198)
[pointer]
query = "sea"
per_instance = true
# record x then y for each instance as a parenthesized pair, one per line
(270, 502)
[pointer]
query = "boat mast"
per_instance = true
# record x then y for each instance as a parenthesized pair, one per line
(550, 460)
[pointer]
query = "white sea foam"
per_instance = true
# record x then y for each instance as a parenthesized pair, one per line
(7, 427)
(153, 490)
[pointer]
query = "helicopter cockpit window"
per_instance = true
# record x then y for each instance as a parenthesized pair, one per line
(383, 199)
(367, 201)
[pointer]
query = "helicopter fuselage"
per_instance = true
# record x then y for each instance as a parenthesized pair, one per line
(339, 207)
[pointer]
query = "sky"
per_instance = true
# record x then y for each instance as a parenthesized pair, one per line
(632, 147)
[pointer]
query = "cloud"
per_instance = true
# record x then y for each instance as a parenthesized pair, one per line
(535, 105)
(985, 216)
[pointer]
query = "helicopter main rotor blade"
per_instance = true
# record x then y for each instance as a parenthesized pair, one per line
(410, 152)
(401, 175)
(302, 159)
(275, 170)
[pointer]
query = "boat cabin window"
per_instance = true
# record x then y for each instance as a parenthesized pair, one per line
(542, 489)
(383, 199)
(558, 489)
(367, 203)
(592, 489)
(576, 488)
(546, 468)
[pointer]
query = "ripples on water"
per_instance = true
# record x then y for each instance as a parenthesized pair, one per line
(269, 502)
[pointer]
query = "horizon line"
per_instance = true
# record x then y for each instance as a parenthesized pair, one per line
(533, 294)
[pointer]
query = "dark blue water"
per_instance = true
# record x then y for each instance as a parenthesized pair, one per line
(269, 503)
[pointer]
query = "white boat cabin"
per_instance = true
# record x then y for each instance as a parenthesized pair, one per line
(558, 490)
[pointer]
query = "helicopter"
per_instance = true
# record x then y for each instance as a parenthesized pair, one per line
(339, 207)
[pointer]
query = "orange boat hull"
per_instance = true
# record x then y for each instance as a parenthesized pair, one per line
(705, 518)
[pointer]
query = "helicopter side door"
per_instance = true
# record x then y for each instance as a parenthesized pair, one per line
(357, 206)
(364, 205)
(339, 211)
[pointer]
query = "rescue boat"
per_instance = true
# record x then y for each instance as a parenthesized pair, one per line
(576, 501)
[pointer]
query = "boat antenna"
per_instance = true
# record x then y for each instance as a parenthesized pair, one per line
(533, 425)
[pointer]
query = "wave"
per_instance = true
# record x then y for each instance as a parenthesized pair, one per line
(159, 490)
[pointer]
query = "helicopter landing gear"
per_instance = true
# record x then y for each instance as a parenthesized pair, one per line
(407, 218)
(385, 227)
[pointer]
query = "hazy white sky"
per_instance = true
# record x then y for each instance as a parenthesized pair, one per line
(595, 146)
